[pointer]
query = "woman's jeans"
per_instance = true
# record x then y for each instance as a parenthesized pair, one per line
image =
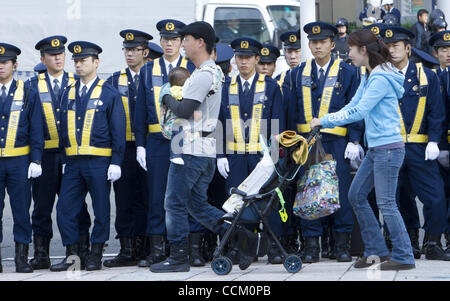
(380, 169)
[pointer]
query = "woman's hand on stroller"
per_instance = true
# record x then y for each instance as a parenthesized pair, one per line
(315, 122)
(223, 167)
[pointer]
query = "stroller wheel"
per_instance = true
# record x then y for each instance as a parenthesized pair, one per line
(293, 264)
(222, 265)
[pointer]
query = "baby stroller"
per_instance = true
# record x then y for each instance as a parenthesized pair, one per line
(256, 208)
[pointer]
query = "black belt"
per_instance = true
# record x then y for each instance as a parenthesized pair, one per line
(206, 134)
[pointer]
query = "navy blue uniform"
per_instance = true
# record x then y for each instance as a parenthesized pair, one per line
(148, 134)
(47, 186)
(445, 81)
(20, 142)
(130, 190)
(424, 178)
(93, 135)
(334, 143)
(243, 163)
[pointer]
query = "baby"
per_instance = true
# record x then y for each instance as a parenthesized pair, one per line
(177, 78)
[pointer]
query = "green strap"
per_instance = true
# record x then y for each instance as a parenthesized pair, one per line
(282, 211)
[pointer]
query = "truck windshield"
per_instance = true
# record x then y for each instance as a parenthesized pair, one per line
(232, 22)
(285, 18)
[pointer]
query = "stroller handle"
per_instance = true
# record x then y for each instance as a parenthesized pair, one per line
(315, 131)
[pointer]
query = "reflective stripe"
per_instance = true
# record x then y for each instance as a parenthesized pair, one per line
(154, 128)
(123, 90)
(14, 117)
(184, 62)
(49, 113)
(363, 70)
(157, 82)
(327, 95)
(281, 81)
(71, 79)
(85, 148)
(233, 101)
(413, 136)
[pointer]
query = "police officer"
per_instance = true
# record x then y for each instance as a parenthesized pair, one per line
(93, 130)
(256, 100)
(422, 117)
(224, 54)
(267, 60)
(154, 52)
(21, 142)
(341, 49)
(330, 84)
(293, 56)
(131, 189)
(440, 42)
(152, 147)
(50, 86)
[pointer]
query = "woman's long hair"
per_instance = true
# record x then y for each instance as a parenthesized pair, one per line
(377, 50)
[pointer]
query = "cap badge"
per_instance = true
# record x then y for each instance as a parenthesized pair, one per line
(265, 51)
(244, 45)
(170, 26)
(2, 50)
(55, 43)
(292, 38)
(376, 30)
(447, 37)
(129, 36)
(77, 49)
(389, 33)
(316, 30)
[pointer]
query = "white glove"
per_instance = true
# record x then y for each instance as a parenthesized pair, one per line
(355, 164)
(63, 167)
(114, 172)
(223, 167)
(34, 170)
(443, 158)
(432, 151)
(140, 157)
(351, 151)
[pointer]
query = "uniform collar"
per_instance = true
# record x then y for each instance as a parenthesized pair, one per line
(325, 67)
(88, 86)
(250, 80)
(174, 63)
(59, 78)
(8, 86)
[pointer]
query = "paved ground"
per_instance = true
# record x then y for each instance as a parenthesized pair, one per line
(325, 270)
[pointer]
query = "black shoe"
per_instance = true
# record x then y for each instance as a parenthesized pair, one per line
(195, 255)
(72, 251)
(447, 242)
(290, 243)
(414, 237)
(245, 261)
(209, 246)
(41, 258)
(178, 261)
(274, 255)
(423, 250)
(126, 256)
(94, 260)
(84, 250)
(391, 265)
(342, 246)
(434, 249)
(157, 251)
(363, 263)
(21, 259)
(325, 246)
(312, 249)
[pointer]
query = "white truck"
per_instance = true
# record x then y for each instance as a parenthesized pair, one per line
(100, 21)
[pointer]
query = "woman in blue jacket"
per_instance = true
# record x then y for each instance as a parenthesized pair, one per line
(376, 101)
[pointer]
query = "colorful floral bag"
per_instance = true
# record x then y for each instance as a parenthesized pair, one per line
(318, 189)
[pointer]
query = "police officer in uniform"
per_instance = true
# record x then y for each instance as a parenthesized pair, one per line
(330, 84)
(256, 99)
(440, 42)
(224, 54)
(341, 49)
(93, 130)
(154, 52)
(153, 148)
(268, 60)
(131, 189)
(50, 86)
(21, 142)
(422, 117)
(293, 56)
